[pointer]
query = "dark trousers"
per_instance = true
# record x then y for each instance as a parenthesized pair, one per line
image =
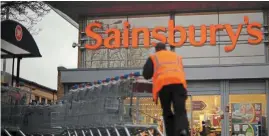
(177, 121)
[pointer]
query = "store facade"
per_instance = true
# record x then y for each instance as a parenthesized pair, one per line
(229, 90)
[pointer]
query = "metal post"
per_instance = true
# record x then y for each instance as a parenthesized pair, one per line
(224, 88)
(12, 75)
(18, 70)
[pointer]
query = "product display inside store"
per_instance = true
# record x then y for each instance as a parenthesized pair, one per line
(204, 108)
(248, 114)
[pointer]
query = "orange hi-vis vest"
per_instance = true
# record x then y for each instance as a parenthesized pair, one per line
(168, 69)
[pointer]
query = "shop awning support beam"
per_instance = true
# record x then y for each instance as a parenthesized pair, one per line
(5, 51)
(12, 76)
(18, 70)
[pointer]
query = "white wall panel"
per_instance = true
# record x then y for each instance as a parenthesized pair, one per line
(204, 55)
(148, 21)
(243, 50)
(242, 60)
(244, 53)
(204, 51)
(247, 86)
(238, 18)
(200, 61)
(196, 20)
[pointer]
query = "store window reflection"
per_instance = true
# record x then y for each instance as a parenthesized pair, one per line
(130, 108)
(150, 113)
(147, 112)
(207, 109)
(247, 112)
(207, 55)
(103, 58)
(137, 56)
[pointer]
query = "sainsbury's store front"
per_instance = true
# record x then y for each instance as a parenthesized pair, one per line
(225, 58)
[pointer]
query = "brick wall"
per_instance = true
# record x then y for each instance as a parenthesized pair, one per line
(60, 87)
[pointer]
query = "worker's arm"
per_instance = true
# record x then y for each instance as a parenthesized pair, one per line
(182, 69)
(148, 69)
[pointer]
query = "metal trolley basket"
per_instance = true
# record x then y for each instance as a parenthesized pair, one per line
(96, 110)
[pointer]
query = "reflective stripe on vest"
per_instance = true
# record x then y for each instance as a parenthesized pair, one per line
(168, 70)
(158, 64)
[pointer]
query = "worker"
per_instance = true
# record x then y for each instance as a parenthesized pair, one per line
(169, 84)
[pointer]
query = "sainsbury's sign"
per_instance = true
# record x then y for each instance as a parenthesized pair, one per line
(253, 30)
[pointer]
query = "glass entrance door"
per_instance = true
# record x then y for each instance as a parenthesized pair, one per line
(247, 114)
(189, 112)
(204, 108)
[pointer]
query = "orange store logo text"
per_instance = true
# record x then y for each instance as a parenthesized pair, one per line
(253, 30)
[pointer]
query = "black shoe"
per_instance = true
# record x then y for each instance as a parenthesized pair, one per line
(183, 133)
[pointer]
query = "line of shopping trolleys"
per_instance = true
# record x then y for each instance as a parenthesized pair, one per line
(116, 130)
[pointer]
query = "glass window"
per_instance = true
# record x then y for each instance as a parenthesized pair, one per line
(149, 112)
(204, 55)
(243, 52)
(131, 57)
(49, 102)
(127, 104)
(247, 111)
(205, 108)
(37, 98)
(138, 56)
(43, 100)
(103, 58)
(97, 58)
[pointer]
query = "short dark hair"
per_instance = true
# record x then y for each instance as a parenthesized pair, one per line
(160, 46)
(172, 48)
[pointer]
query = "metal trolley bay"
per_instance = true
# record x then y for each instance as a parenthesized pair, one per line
(97, 109)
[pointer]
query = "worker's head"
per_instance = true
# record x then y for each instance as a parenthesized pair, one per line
(172, 48)
(160, 46)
